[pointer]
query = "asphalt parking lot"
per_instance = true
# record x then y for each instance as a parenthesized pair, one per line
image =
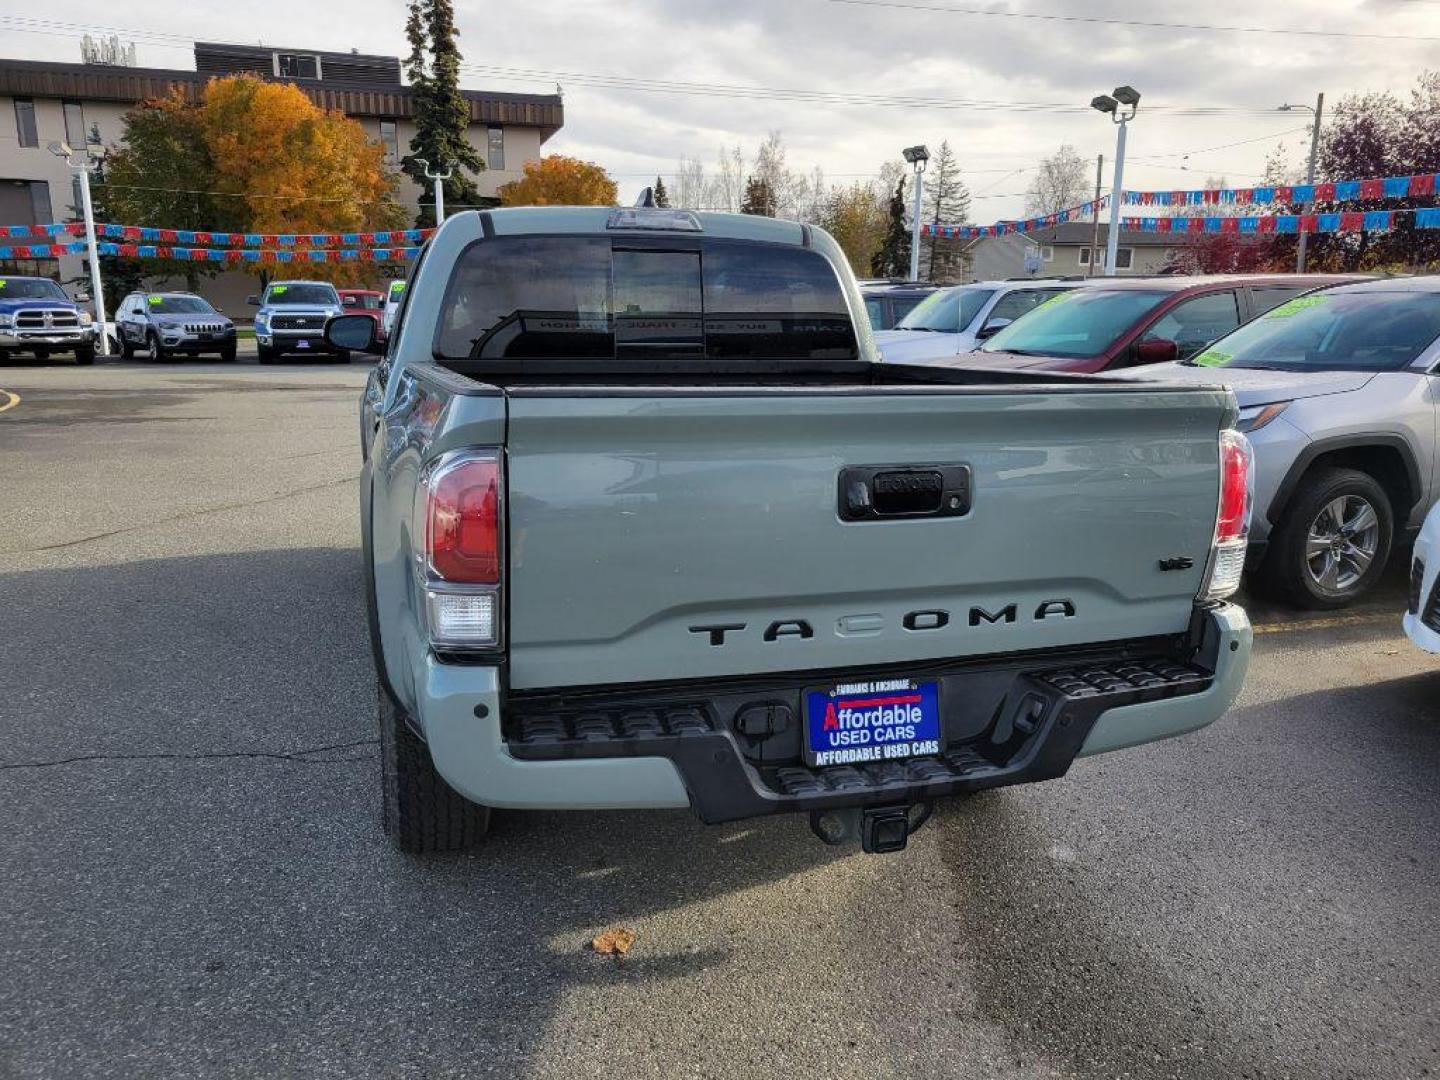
(195, 882)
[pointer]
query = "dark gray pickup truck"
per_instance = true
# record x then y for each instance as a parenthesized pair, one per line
(645, 525)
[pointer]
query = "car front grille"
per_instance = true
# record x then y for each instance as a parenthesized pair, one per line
(1417, 582)
(46, 318)
(297, 322)
(205, 328)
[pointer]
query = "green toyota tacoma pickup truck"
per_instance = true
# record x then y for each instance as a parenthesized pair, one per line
(646, 525)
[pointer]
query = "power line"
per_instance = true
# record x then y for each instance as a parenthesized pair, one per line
(1128, 23)
(1222, 146)
(828, 97)
(664, 86)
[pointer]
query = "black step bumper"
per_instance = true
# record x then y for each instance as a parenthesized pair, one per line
(1008, 720)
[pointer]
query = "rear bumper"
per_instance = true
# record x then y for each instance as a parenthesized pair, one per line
(679, 746)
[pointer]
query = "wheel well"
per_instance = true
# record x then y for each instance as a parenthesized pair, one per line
(1384, 463)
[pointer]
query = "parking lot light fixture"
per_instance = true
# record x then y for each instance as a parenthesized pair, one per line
(82, 168)
(917, 156)
(439, 178)
(1120, 105)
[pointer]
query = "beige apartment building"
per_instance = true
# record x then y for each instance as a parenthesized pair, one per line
(84, 104)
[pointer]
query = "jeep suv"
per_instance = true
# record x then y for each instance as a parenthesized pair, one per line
(166, 324)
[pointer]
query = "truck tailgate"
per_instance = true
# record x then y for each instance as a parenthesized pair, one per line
(642, 520)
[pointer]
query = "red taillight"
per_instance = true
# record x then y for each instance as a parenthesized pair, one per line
(1233, 520)
(463, 522)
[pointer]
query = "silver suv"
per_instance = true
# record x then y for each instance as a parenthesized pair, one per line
(1338, 394)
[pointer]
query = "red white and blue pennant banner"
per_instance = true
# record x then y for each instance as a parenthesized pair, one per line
(1267, 224)
(1387, 187)
(1006, 228)
(221, 255)
(132, 234)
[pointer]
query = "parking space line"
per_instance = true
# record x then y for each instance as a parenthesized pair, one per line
(12, 399)
(1326, 624)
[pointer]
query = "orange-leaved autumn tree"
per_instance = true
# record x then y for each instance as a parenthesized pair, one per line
(558, 180)
(295, 167)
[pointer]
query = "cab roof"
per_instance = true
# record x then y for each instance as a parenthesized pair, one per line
(530, 220)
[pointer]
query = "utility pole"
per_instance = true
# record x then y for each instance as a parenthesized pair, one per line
(1095, 236)
(82, 169)
(1310, 173)
(439, 178)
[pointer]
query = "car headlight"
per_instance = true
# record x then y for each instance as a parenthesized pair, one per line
(262, 322)
(86, 318)
(7, 320)
(1257, 416)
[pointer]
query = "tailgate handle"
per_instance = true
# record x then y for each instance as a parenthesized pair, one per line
(891, 492)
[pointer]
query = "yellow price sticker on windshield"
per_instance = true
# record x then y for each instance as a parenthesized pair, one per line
(1068, 294)
(1214, 358)
(1294, 307)
(155, 301)
(276, 290)
(3, 283)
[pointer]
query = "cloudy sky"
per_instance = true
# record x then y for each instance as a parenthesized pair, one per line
(850, 82)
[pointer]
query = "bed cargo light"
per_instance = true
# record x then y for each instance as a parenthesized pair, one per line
(461, 518)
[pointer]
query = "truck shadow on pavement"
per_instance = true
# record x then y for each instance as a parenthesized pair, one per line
(199, 883)
(1198, 935)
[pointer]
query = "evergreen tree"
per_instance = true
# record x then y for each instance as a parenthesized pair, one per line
(947, 202)
(759, 198)
(893, 258)
(662, 197)
(442, 115)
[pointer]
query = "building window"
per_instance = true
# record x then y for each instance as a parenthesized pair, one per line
(74, 125)
(40, 212)
(1085, 256)
(25, 122)
(391, 138)
(297, 66)
(496, 147)
(1047, 253)
(1124, 258)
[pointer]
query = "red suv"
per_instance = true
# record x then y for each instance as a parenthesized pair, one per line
(1114, 323)
(365, 302)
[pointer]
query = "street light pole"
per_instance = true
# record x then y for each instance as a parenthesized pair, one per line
(1121, 106)
(1310, 173)
(83, 169)
(439, 178)
(917, 156)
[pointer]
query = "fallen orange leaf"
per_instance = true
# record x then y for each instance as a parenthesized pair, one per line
(617, 941)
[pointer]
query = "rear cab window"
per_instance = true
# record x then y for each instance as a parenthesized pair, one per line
(534, 302)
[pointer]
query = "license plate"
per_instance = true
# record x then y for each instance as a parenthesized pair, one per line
(207, 337)
(880, 720)
(302, 344)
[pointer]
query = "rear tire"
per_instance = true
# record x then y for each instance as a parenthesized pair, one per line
(127, 348)
(1330, 505)
(420, 812)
